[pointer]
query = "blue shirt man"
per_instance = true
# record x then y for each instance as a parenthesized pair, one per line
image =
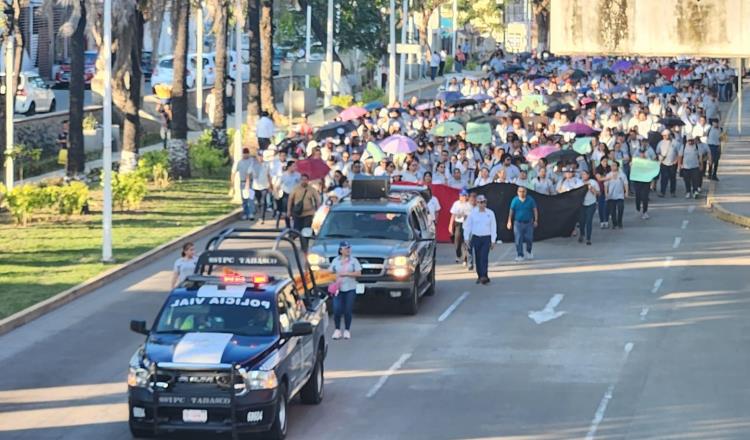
(526, 215)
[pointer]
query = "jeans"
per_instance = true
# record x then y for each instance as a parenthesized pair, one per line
(668, 174)
(481, 246)
(601, 200)
(281, 206)
(433, 72)
(261, 201)
(459, 66)
(523, 232)
(691, 177)
(715, 155)
(458, 241)
(442, 68)
(299, 224)
(587, 218)
(343, 305)
(642, 190)
(615, 209)
(248, 207)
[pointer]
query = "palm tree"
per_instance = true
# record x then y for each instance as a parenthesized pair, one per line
(179, 160)
(266, 64)
(253, 98)
(218, 10)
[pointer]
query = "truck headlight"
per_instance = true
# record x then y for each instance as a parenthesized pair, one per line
(260, 380)
(138, 377)
(401, 266)
(316, 261)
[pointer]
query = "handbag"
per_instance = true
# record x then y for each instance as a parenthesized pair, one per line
(334, 287)
(299, 206)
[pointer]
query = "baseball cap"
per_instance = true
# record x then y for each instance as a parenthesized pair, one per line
(344, 244)
(463, 193)
(481, 198)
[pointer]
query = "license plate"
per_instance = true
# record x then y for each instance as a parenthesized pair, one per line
(194, 415)
(360, 289)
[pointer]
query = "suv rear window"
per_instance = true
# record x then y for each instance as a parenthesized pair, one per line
(166, 64)
(377, 225)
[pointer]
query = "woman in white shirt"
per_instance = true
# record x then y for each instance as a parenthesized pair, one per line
(484, 177)
(261, 185)
(347, 269)
(412, 173)
(589, 207)
(288, 181)
(439, 177)
(185, 265)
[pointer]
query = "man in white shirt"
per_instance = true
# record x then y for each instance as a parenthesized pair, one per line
(443, 57)
(667, 152)
(264, 131)
(480, 229)
(460, 210)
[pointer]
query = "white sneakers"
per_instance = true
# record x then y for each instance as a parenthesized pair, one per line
(645, 216)
(519, 259)
(688, 195)
(337, 334)
(529, 256)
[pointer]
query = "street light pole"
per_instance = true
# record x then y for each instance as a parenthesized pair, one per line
(10, 91)
(402, 66)
(237, 195)
(329, 55)
(392, 57)
(308, 24)
(107, 148)
(199, 62)
(454, 43)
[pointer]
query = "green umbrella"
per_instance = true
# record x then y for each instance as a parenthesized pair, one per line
(533, 102)
(582, 145)
(478, 133)
(447, 128)
(375, 152)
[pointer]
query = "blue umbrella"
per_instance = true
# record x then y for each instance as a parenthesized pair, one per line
(449, 96)
(481, 97)
(664, 90)
(374, 105)
(620, 88)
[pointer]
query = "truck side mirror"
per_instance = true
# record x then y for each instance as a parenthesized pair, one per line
(139, 327)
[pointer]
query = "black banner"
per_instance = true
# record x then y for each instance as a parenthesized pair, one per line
(558, 214)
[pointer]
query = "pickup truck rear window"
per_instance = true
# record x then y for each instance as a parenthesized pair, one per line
(375, 225)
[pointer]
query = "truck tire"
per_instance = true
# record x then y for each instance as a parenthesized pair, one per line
(312, 392)
(412, 307)
(279, 427)
(431, 290)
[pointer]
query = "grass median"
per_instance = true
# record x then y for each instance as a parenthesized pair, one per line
(52, 253)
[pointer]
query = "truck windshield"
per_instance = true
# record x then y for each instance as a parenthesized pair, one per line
(240, 316)
(376, 225)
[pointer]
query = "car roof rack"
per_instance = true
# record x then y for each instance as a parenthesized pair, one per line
(212, 255)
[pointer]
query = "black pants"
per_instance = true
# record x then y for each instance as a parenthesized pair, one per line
(261, 203)
(668, 174)
(615, 209)
(281, 206)
(441, 69)
(301, 223)
(263, 143)
(642, 190)
(691, 177)
(458, 240)
(715, 156)
(481, 246)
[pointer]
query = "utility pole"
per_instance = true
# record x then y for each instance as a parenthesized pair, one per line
(329, 55)
(307, 41)
(107, 148)
(392, 57)
(402, 66)
(199, 62)
(455, 27)
(10, 93)
(237, 187)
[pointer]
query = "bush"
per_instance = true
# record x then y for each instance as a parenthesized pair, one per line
(160, 176)
(448, 65)
(154, 166)
(128, 190)
(471, 65)
(344, 101)
(373, 94)
(315, 82)
(71, 198)
(23, 200)
(90, 122)
(205, 160)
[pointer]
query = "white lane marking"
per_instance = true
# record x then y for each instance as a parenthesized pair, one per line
(644, 312)
(691, 208)
(384, 378)
(685, 223)
(657, 285)
(453, 307)
(668, 261)
(602, 408)
(548, 313)
(677, 241)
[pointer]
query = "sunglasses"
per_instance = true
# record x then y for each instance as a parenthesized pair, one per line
(484, 202)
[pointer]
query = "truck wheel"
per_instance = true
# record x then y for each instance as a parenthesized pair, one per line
(312, 392)
(431, 289)
(32, 109)
(140, 432)
(278, 429)
(412, 306)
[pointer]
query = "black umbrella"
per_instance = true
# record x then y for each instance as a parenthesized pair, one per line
(622, 102)
(288, 143)
(484, 119)
(578, 74)
(335, 129)
(514, 68)
(562, 156)
(463, 102)
(465, 117)
(672, 122)
(604, 72)
(558, 108)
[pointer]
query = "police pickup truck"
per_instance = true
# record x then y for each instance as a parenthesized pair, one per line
(231, 345)
(391, 235)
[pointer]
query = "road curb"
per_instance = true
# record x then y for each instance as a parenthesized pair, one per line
(722, 213)
(31, 313)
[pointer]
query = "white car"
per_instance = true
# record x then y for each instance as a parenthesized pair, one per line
(32, 94)
(164, 72)
(244, 66)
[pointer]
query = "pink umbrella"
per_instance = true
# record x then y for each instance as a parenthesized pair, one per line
(579, 129)
(540, 152)
(353, 112)
(398, 144)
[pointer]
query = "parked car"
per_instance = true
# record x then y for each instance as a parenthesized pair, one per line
(146, 67)
(164, 73)
(243, 65)
(62, 71)
(32, 94)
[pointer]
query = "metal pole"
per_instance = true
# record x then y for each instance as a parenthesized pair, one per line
(329, 55)
(410, 38)
(107, 150)
(739, 96)
(402, 65)
(528, 26)
(392, 57)
(10, 91)
(291, 89)
(307, 41)
(199, 62)
(237, 195)
(455, 28)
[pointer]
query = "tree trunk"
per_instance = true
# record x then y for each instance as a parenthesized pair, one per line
(131, 129)
(266, 63)
(253, 97)
(156, 19)
(179, 160)
(219, 117)
(322, 35)
(76, 156)
(20, 42)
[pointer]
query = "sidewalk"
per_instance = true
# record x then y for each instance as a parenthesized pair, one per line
(411, 88)
(729, 199)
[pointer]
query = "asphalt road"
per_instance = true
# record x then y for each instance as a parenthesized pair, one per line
(652, 344)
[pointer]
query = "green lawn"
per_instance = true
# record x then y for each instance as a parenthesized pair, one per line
(52, 254)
